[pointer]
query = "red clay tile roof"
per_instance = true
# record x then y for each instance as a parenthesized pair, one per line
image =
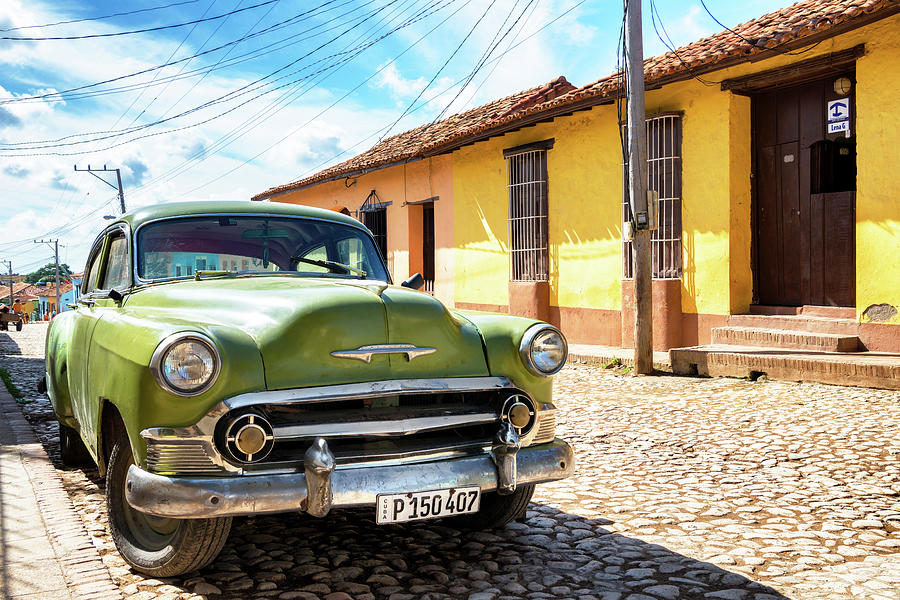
(50, 290)
(24, 290)
(794, 26)
(408, 145)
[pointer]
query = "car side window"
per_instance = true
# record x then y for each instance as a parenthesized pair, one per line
(92, 272)
(117, 264)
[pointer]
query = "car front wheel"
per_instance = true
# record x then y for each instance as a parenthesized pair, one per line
(498, 510)
(71, 448)
(157, 546)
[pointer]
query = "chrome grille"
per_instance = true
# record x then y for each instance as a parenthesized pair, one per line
(179, 457)
(546, 427)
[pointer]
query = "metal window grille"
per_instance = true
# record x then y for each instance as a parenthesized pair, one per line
(528, 239)
(664, 176)
(374, 217)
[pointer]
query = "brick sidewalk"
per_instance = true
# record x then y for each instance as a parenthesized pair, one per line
(45, 552)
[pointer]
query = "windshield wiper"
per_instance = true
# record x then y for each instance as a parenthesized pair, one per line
(199, 274)
(329, 264)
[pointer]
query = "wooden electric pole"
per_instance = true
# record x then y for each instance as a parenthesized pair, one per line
(115, 187)
(9, 264)
(637, 189)
(56, 260)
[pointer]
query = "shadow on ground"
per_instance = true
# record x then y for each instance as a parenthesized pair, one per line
(551, 554)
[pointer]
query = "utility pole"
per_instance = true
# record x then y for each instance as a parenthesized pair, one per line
(118, 180)
(56, 259)
(9, 264)
(637, 190)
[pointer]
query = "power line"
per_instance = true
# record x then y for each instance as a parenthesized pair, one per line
(439, 71)
(774, 49)
(333, 104)
(495, 60)
(120, 14)
(229, 96)
(77, 93)
(135, 31)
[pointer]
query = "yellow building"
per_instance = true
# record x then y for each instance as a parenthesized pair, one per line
(771, 148)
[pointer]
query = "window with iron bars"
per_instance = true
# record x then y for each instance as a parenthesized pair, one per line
(664, 176)
(527, 190)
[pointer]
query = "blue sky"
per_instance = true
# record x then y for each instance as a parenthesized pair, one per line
(275, 92)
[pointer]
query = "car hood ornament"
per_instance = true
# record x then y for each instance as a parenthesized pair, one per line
(365, 353)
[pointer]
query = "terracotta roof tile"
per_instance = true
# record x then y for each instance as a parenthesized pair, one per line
(743, 42)
(409, 144)
(50, 290)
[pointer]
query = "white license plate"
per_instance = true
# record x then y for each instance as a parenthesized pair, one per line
(413, 506)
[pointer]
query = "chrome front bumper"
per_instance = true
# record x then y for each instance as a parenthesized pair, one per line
(322, 487)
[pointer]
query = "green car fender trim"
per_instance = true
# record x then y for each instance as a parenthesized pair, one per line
(502, 335)
(123, 344)
(56, 371)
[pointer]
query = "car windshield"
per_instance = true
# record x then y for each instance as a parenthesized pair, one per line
(181, 247)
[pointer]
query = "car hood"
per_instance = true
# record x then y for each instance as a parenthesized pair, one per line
(298, 323)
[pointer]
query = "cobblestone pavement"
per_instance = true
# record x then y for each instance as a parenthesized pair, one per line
(685, 488)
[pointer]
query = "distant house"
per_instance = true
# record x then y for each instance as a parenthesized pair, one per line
(771, 147)
(47, 298)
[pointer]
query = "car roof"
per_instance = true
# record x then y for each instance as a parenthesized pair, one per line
(191, 209)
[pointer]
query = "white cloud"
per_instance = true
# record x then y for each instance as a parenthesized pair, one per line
(399, 86)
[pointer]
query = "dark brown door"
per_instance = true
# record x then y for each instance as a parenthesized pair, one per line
(804, 205)
(428, 245)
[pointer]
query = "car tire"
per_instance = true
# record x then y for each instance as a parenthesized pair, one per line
(498, 510)
(19, 326)
(71, 448)
(155, 546)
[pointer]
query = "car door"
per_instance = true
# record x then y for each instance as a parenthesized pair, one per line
(84, 321)
(112, 273)
(115, 276)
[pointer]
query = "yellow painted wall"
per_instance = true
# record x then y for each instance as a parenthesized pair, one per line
(400, 184)
(584, 182)
(585, 191)
(878, 154)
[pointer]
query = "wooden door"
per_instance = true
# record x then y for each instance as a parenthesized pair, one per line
(804, 204)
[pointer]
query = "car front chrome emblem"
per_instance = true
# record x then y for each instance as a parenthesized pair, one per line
(365, 353)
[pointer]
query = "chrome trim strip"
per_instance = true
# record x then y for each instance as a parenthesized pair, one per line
(394, 427)
(197, 497)
(365, 353)
(369, 389)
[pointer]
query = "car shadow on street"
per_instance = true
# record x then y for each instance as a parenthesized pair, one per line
(550, 552)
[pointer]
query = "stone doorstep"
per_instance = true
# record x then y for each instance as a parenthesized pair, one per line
(810, 324)
(862, 369)
(68, 537)
(784, 338)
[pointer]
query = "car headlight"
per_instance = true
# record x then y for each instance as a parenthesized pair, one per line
(186, 364)
(544, 349)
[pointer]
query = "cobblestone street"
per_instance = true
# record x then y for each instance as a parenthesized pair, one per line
(685, 488)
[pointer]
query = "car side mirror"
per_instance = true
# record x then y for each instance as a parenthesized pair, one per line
(115, 295)
(415, 282)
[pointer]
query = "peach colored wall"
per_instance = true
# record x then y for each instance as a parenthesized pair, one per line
(399, 184)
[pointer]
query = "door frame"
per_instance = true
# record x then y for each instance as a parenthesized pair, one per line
(817, 69)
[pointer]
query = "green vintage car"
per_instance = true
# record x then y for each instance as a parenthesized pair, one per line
(245, 358)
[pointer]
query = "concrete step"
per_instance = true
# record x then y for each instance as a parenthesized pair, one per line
(862, 369)
(796, 323)
(784, 338)
(834, 312)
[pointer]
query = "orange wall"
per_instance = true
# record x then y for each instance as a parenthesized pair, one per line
(399, 185)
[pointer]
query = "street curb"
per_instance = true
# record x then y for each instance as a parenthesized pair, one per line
(86, 576)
